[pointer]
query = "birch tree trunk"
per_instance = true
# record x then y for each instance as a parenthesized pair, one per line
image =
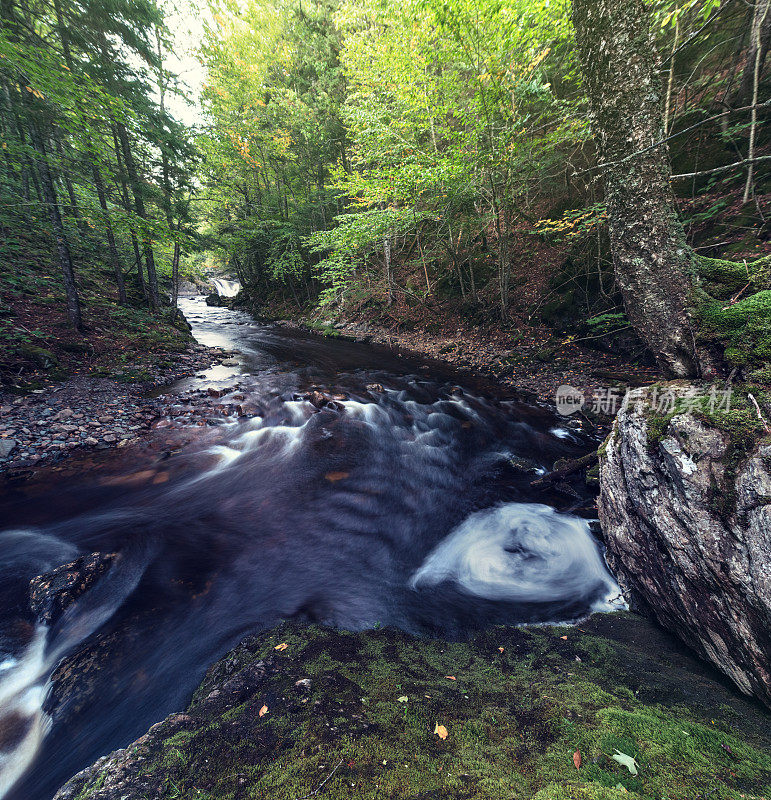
(653, 265)
(760, 39)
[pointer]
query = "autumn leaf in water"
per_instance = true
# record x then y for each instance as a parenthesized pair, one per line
(500, 649)
(440, 731)
(332, 477)
(564, 637)
(263, 711)
(577, 759)
(282, 646)
(450, 677)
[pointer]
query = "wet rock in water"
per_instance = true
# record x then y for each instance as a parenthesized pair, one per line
(13, 728)
(7, 446)
(76, 683)
(526, 466)
(321, 400)
(52, 593)
(328, 708)
(686, 517)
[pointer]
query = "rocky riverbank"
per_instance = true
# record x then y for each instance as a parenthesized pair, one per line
(613, 709)
(530, 359)
(86, 412)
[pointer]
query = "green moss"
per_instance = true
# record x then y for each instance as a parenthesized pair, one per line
(39, 356)
(723, 279)
(735, 309)
(740, 422)
(658, 425)
(516, 703)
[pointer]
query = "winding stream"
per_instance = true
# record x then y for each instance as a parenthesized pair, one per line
(406, 502)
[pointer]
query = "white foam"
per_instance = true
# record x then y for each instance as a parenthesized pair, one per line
(21, 700)
(519, 552)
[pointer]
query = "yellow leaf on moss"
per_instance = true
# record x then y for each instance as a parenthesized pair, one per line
(440, 731)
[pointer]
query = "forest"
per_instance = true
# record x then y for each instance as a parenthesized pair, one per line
(385, 399)
(446, 157)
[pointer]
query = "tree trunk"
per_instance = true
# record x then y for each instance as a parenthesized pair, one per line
(126, 202)
(757, 54)
(760, 40)
(65, 260)
(387, 270)
(175, 276)
(114, 255)
(139, 205)
(653, 265)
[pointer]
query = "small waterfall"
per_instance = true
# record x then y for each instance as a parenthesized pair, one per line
(226, 288)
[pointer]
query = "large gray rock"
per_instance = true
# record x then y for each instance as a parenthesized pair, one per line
(687, 522)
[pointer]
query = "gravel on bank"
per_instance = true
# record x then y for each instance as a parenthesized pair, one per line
(88, 412)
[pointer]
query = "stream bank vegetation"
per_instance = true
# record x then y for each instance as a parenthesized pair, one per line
(96, 181)
(425, 164)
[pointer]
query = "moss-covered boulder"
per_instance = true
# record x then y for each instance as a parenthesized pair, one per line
(302, 712)
(39, 356)
(685, 508)
(735, 313)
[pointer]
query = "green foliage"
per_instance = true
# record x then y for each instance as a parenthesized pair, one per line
(603, 323)
(78, 82)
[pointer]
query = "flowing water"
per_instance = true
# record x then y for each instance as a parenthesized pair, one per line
(225, 287)
(406, 501)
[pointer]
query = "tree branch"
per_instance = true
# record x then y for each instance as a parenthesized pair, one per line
(673, 136)
(719, 169)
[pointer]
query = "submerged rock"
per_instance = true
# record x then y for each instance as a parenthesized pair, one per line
(303, 711)
(215, 299)
(685, 507)
(52, 593)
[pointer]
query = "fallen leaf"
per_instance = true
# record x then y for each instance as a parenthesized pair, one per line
(450, 677)
(577, 759)
(440, 731)
(625, 761)
(263, 711)
(282, 646)
(402, 699)
(564, 637)
(500, 649)
(336, 476)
